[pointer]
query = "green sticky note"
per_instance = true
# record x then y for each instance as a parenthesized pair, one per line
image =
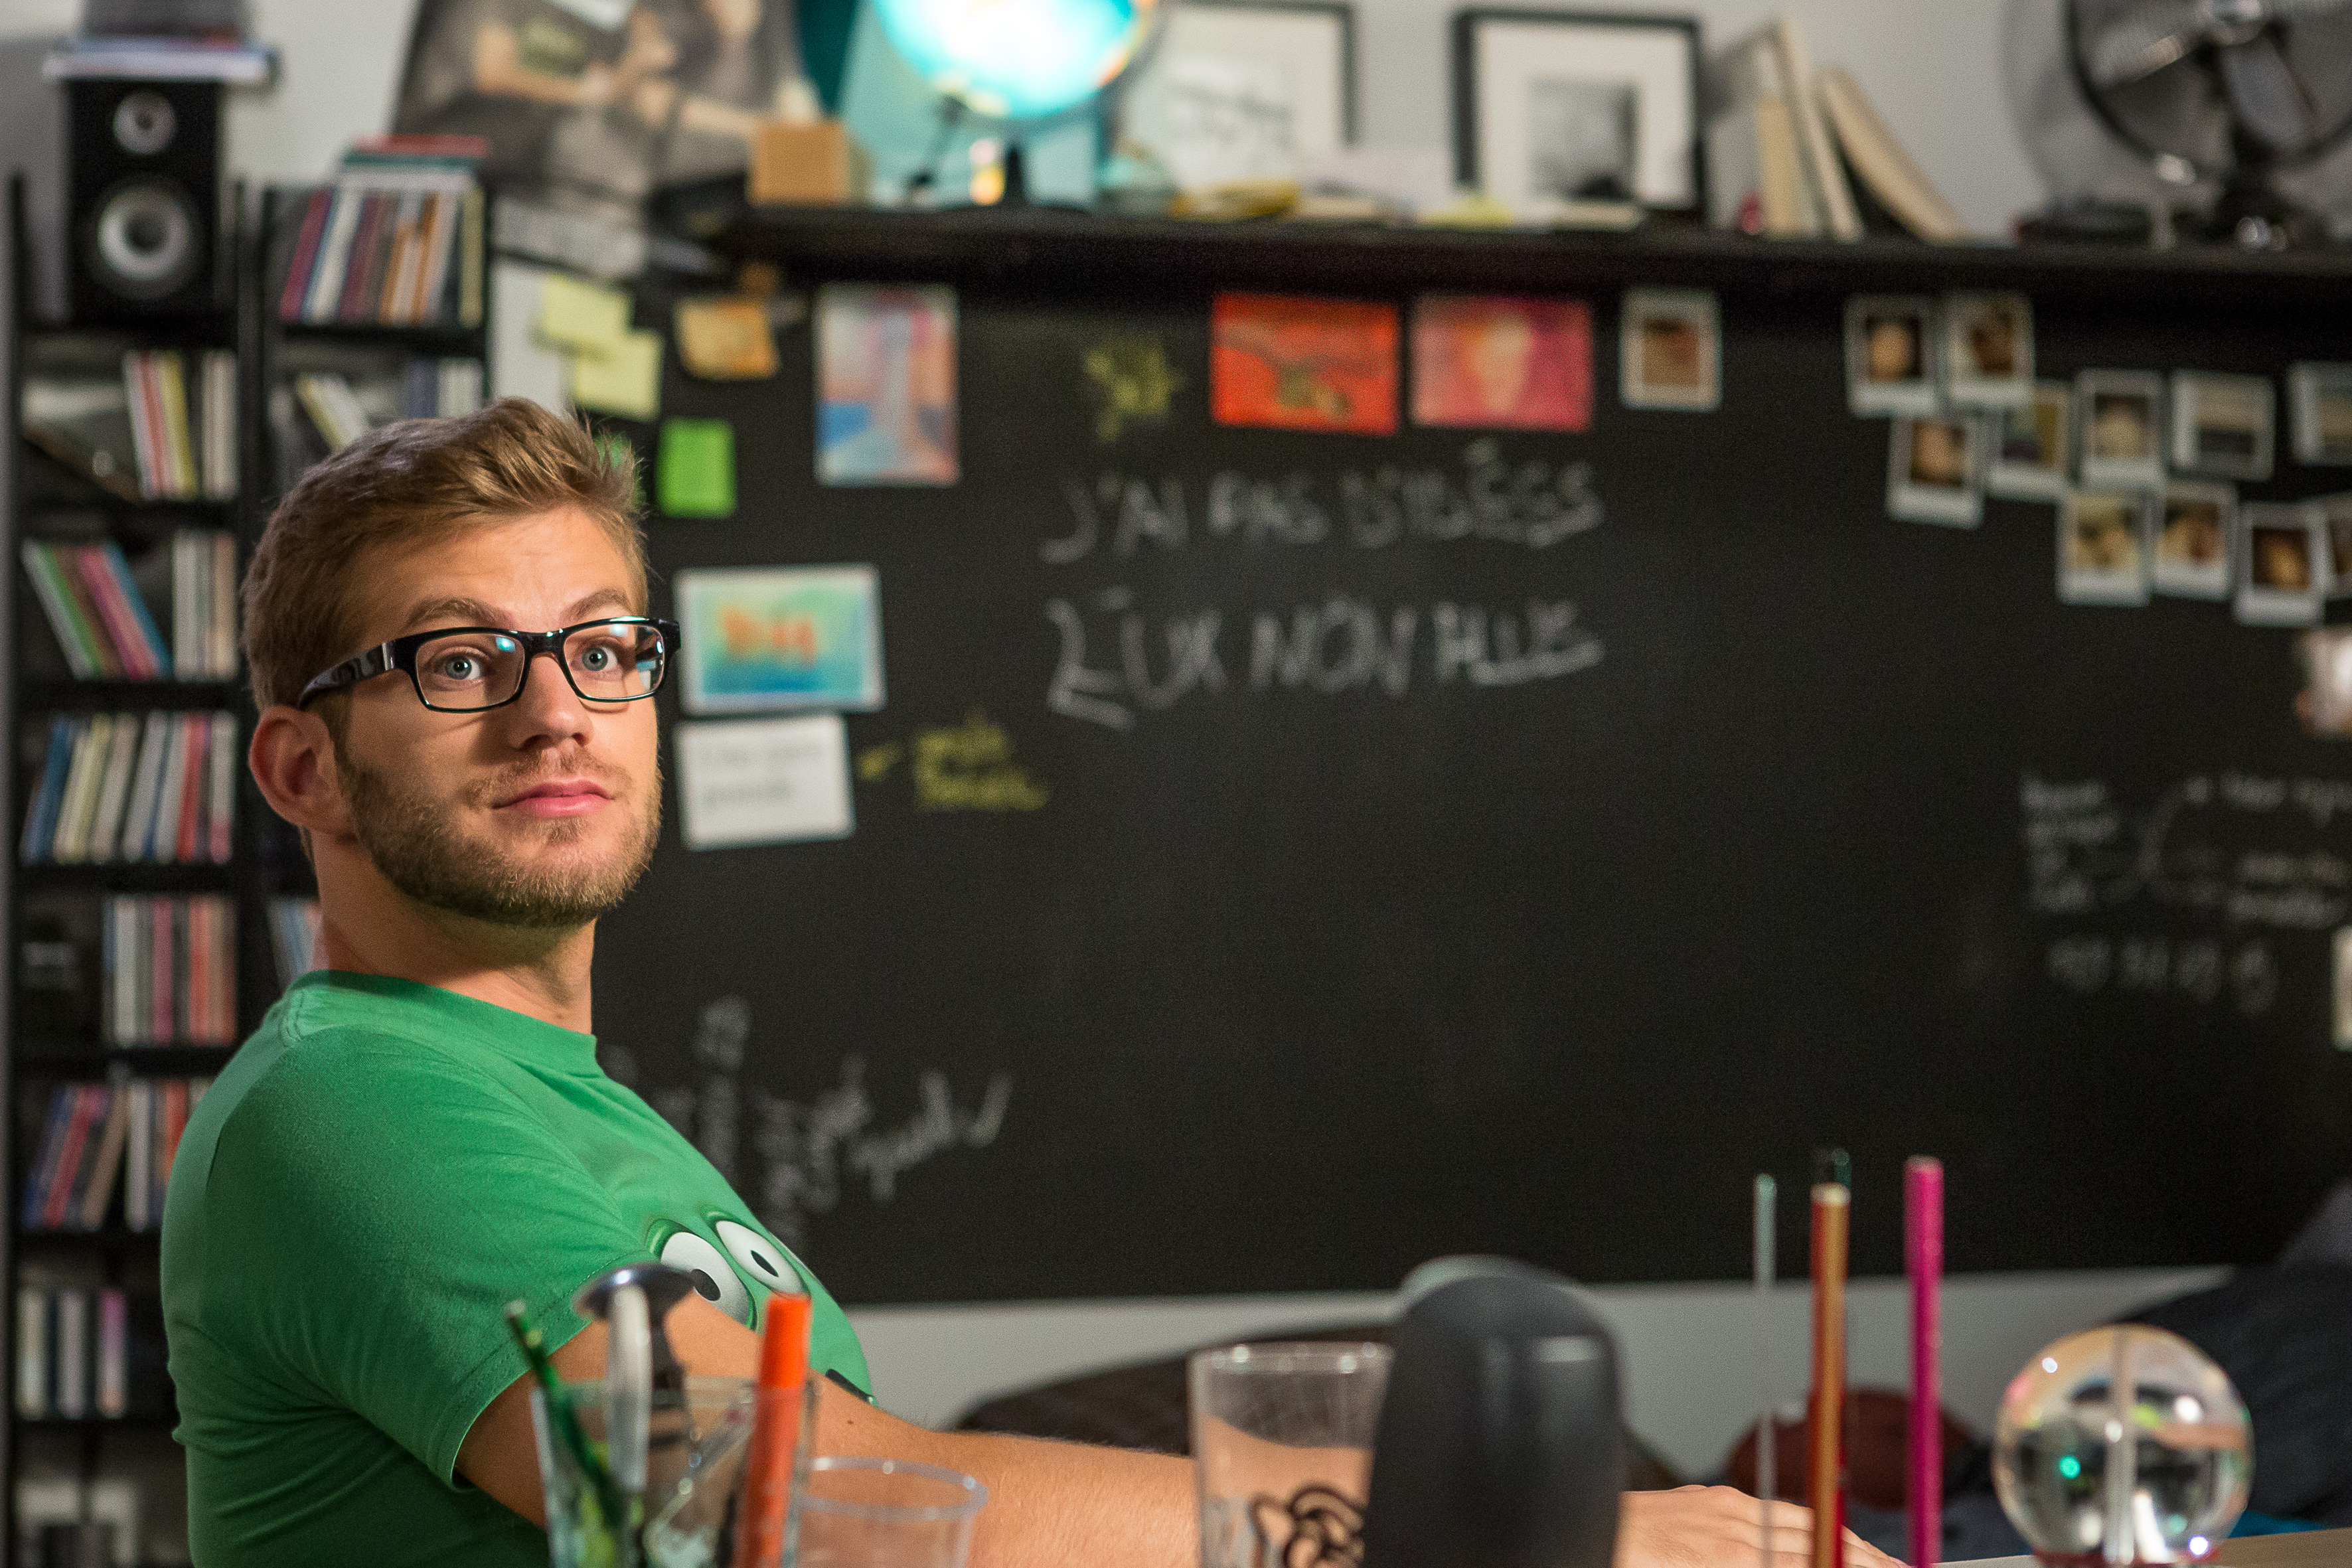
(696, 470)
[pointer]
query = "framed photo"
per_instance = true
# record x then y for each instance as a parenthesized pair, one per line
(2321, 398)
(2336, 526)
(2222, 425)
(1988, 349)
(1670, 350)
(2192, 540)
(2033, 445)
(1935, 469)
(2121, 414)
(1246, 90)
(762, 639)
(1560, 106)
(1891, 347)
(2282, 563)
(2103, 551)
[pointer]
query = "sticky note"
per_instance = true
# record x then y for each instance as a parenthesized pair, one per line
(576, 314)
(726, 339)
(696, 467)
(626, 379)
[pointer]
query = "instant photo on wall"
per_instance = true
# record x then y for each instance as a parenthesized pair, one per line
(2192, 540)
(1987, 357)
(1935, 469)
(2282, 563)
(1558, 106)
(1670, 350)
(1892, 343)
(2033, 445)
(2103, 546)
(2121, 414)
(2222, 425)
(2336, 531)
(2321, 398)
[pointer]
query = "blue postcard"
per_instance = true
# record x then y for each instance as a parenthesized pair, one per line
(886, 385)
(760, 639)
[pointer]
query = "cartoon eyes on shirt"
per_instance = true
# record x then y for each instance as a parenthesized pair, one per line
(714, 1279)
(760, 1257)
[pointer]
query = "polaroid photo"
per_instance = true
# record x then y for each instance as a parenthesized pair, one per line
(2325, 704)
(1935, 468)
(2343, 1030)
(2336, 530)
(1891, 343)
(2121, 415)
(2222, 425)
(2192, 540)
(2282, 563)
(1670, 352)
(2103, 546)
(2321, 398)
(2033, 444)
(1988, 349)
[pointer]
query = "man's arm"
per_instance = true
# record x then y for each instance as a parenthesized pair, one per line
(1060, 1505)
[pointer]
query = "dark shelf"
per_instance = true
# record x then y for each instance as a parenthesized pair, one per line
(438, 332)
(129, 877)
(145, 1422)
(113, 1234)
(210, 329)
(1072, 251)
(61, 1057)
(87, 696)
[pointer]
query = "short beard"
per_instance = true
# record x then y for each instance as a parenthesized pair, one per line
(415, 846)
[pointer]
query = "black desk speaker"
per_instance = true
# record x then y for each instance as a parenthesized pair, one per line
(142, 192)
(1498, 1443)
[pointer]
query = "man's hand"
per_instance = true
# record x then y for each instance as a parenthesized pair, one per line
(1718, 1527)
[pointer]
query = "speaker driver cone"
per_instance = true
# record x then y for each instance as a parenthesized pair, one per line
(144, 238)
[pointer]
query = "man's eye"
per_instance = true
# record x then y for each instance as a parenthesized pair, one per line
(459, 667)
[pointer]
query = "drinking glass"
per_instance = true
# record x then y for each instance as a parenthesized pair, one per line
(886, 1513)
(1282, 1450)
(694, 1460)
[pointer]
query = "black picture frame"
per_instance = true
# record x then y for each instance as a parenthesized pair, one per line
(1341, 11)
(1466, 86)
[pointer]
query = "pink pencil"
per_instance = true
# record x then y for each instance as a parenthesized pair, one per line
(1923, 1253)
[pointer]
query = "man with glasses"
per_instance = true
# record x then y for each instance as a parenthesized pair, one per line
(445, 624)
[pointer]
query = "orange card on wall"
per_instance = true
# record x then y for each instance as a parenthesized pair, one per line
(1303, 365)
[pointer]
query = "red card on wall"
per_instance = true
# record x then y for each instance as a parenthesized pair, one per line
(1493, 362)
(1303, 365)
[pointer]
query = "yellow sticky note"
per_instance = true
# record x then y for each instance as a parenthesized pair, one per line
(624, 380)
(577, 314)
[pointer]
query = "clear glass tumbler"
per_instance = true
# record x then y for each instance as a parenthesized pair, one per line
(885, 1513)
(1282, 1450)
(694, 1460)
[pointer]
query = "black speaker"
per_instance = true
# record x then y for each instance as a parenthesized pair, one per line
(1498, 1443)
(142, 192)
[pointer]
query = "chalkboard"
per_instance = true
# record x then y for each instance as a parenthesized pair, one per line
(1289, 933)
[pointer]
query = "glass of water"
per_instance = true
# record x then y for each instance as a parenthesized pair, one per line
(1282, 1450)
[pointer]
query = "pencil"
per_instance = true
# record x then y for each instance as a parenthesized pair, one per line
(1923, 1253)
(1825, 1477)
(1767, 1193)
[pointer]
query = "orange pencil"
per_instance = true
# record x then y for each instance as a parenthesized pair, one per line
(775, 1433)
(1825, 1481)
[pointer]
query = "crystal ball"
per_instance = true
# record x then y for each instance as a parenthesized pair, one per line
(2122, 1445)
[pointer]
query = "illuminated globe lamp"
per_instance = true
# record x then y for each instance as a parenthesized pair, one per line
(1022, 63)
(2120, 1446)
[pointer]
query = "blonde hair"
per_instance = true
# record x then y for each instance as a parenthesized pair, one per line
(408, 484)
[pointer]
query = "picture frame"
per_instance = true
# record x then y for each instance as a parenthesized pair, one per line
(2282, 563)
(2336, 524)
(1892, 346)
(2222, 424)
(1670, 350)
(1988, 359)
(1200, 100)
(2033, 445)
(1560, 106)
(2319, 396)
(2119, 418)
(2195, 527)
(2103, 545)
(1935, 468)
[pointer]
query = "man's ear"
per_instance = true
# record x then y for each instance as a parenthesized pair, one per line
(293, 760)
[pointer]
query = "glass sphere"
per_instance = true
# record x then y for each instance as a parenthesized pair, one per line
(2122, 1446)
(1020, 59)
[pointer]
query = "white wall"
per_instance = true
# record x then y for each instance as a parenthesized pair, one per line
(1688, 1351)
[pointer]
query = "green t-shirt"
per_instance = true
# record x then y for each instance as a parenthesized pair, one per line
(380, 1169)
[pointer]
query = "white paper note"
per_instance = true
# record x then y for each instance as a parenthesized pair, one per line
(763, 781)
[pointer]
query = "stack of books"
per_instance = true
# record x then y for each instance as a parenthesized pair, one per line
(141, 433)
(101, 622)
(294, 937)
(121, 787)
(429, 388)
(394, 240)
(99, 1136)
(171, 970)
(62, 1330)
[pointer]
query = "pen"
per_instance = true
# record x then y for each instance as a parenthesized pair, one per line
(1826, 1481)
(1923, 1253)
(1767, 1193)
(775, 1433)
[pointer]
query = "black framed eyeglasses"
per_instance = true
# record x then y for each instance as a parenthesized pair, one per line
(467, 669)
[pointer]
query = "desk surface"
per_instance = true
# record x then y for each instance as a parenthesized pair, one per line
(2298, 1549)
